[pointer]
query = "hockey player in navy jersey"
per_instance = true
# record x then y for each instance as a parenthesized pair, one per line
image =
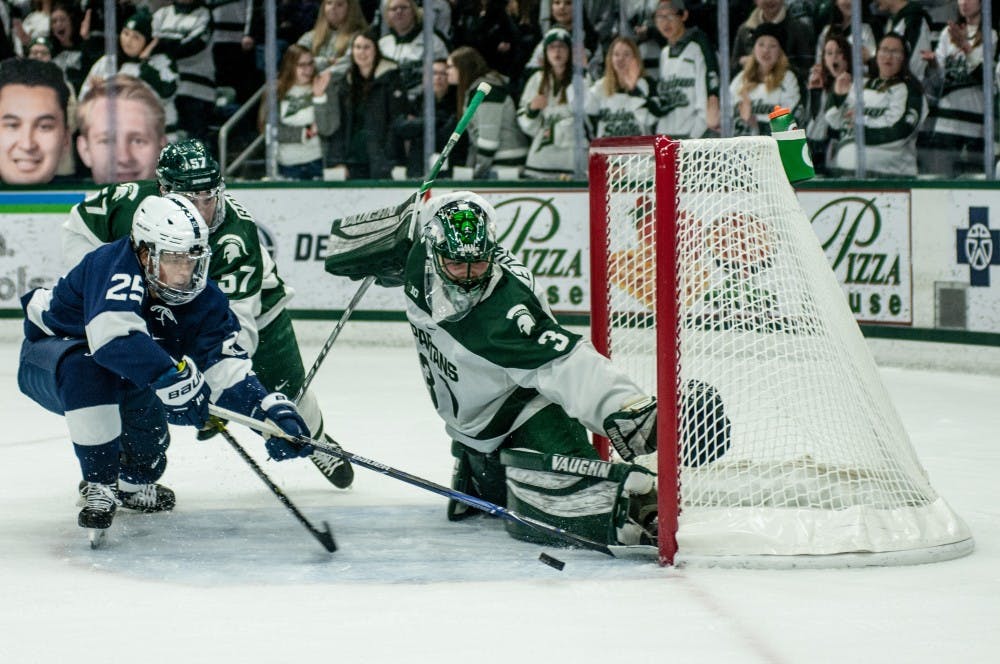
(243, 269)
(139, 315)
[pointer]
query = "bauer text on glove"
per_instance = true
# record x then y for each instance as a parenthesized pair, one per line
(184, 394)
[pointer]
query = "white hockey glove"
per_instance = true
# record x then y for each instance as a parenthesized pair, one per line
(632, 430)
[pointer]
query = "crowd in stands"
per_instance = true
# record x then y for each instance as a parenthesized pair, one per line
(350, 88)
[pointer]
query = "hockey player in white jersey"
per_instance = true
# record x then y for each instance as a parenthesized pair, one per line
(136, 316)
(517, 391)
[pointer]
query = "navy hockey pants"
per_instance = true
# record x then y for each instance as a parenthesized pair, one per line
(117, 429)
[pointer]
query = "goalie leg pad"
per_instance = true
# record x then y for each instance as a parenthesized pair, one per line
(587, 497)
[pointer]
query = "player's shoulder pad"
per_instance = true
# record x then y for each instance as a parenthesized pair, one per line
(512, 328)
(212, 296)
(109, 277)
(116, 256)
(108, 212)
(509, 263)
(235, 212)
(235, 244)
(413, 276)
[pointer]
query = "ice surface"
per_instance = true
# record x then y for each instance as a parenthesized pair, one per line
(231, 576)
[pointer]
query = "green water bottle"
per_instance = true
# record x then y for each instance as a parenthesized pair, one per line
(792, 145)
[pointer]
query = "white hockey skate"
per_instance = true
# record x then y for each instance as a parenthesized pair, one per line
(99, 506)
(146, 498)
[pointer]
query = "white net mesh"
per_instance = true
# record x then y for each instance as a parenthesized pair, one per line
(813, 458)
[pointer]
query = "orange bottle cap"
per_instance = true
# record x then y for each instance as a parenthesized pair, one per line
(778, 112)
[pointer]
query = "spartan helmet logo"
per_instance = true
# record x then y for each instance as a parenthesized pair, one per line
(466, 227)
(232, 247)
(522, 318)
(163, 314)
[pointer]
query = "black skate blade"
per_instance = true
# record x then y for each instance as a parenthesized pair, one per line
(96, 536)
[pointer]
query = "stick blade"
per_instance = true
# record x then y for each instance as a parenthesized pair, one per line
(634, 551)
(325, 538)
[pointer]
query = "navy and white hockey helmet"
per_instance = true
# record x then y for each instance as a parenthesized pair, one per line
(175, 236)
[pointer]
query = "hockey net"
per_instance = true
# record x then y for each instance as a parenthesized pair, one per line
(705, 272)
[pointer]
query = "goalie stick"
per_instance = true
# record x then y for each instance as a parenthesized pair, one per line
(615, 551)
(325, 537)
(482, 90)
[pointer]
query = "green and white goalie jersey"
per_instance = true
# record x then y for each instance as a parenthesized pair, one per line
(506, 359)
(244, 271)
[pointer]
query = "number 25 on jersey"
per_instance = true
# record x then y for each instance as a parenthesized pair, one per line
(125, 287)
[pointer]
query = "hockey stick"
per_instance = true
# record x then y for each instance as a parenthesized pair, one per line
(325, 350)
(325, 537)
(472, 501)
(482, 90)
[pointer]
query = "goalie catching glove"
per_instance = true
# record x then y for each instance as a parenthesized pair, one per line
(632, 430)
(704, 424)
(279, 409)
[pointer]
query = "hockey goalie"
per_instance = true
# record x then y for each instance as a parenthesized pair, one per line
(516, 390)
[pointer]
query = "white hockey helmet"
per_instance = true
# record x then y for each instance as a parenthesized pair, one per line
(176, 237)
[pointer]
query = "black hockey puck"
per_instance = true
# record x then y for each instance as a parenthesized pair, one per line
(551, 562)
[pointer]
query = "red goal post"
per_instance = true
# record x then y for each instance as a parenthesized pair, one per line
(664, 185)
(778, 445)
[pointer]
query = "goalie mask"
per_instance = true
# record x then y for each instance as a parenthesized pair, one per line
(189, 169)
(175, 240)
(463, 239)
(460, 237)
